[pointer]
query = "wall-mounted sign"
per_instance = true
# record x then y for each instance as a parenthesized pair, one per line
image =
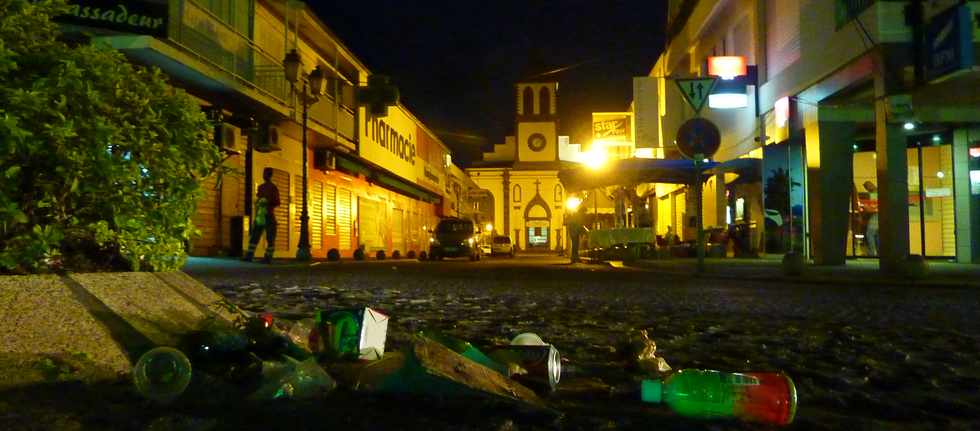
(727, 67)
(140, 17)
(696, 91)
(949, 43)
(389, 142)
(611, 127)
(430, 169)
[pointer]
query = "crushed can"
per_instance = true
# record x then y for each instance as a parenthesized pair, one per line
(540, 365)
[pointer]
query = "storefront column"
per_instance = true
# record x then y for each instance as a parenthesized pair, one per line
(690, 228)
(721, 201)
(830, 177)
(893, 192)
(967, 232)
(653, 211)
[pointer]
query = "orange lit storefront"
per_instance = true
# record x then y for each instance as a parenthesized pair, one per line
(384, 198)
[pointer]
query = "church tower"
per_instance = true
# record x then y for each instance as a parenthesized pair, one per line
(537, 121)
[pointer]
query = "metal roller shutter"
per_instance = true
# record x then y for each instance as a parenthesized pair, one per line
(316, 216)
(281, 180)
(344, 219)
(330, 209)
(206, 217)
(369, 218)
(398, 230)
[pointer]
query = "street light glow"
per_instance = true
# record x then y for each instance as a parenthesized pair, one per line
(489, 227)
(909, 125)
(573, 202)
(727, 67)
(728, 101)
(596, 157)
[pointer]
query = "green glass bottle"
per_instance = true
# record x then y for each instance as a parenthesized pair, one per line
(706, 394)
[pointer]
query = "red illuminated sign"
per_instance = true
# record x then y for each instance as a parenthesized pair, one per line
(727, 67)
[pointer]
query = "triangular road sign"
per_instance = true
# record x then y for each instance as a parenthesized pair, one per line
(696, 91)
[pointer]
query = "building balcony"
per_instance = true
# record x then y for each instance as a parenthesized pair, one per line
(884, 21)
(199, 51)
(200, 32)
(334, 117)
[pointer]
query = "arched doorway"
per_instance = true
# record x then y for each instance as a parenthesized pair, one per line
(537, 224)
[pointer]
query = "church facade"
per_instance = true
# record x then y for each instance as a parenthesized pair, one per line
(521, 195)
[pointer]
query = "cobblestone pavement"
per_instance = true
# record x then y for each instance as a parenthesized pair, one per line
(865, 357)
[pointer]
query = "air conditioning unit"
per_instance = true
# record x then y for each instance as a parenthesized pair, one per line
(269, 140)
(228, 139)
(324, 160)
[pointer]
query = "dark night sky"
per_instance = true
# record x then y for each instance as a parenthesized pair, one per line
(456, 62)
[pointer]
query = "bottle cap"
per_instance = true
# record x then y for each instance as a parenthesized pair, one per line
(650, 391)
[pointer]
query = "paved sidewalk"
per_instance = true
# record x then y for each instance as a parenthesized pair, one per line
(857, 271)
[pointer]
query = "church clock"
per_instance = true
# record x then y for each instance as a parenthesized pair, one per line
(536, 142)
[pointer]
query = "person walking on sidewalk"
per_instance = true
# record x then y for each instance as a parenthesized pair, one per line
(573, 223)
(265, 219)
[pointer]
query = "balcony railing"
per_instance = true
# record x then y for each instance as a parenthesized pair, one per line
(329, 115)
(202, 33)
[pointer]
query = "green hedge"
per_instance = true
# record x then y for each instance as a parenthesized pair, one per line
(100, 161)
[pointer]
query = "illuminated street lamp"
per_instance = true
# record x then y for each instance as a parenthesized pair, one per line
(489, 227)
(728, 94)
(310, 94)
(734, 76)
(596, 157)
(572, 203)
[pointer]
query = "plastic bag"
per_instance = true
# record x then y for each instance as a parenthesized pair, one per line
(293, 379)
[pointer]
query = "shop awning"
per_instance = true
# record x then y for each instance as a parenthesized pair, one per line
(749, 170)
(405, 188)
(387, 181)
(638, 171)
(352, 167)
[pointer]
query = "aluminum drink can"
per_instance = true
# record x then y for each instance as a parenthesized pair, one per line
(543, 363)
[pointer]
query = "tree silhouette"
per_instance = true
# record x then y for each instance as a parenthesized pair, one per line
(778, 191)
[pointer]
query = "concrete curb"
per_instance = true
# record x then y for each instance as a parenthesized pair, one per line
(99, 323)
(844, 280)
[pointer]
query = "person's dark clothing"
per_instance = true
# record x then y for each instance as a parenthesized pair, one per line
(268, 197)
(270, 192)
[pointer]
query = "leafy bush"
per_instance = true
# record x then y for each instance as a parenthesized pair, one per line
(100, 160)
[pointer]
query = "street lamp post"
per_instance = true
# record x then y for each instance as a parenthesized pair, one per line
(311, 90)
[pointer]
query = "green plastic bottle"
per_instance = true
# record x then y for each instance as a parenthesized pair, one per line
(705, 394)
(162, 374)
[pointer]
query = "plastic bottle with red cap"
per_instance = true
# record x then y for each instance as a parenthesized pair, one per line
(706, 394)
